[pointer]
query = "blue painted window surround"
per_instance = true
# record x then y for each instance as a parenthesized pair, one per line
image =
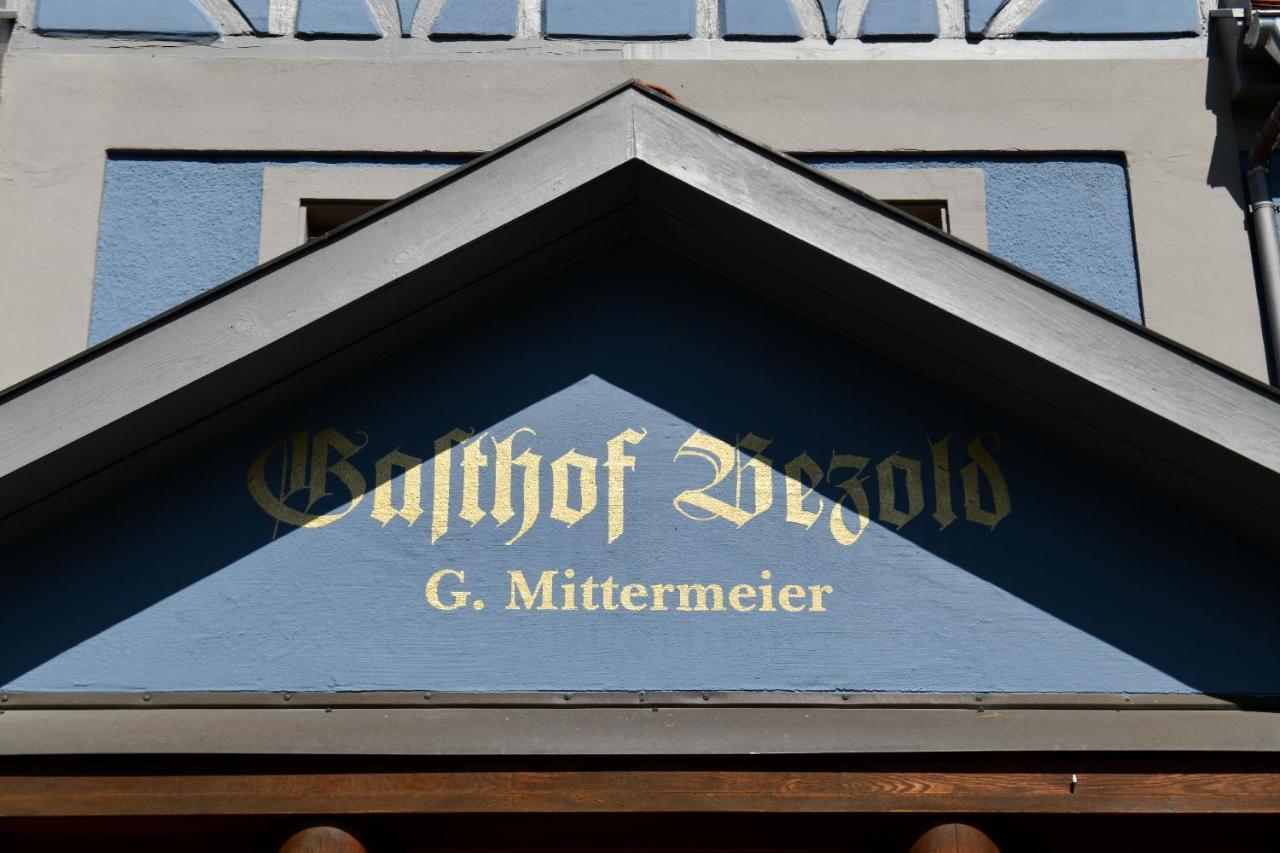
(174, 226)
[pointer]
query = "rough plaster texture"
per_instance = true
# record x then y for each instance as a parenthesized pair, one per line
(337, 18)
(176, 19)
(1083, 241)
(62, 109)
(1113, 17)
(620, 18)
(211, 598)
(759, 19)
(172, 228)
(979, 13)
(900, 19)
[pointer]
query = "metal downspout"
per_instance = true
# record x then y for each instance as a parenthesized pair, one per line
(1263, 31)
(1263, 211)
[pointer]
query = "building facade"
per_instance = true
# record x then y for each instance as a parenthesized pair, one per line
(687, 424)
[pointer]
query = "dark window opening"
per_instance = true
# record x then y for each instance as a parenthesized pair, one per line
(322, 216)
(933, 212)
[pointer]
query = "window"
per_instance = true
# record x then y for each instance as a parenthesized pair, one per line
(302, 203)
(932, 212)
(322, 216)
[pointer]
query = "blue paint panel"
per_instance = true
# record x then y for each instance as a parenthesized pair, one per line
(635, 19)
(168, 19)
(337, 19)
(1113, 18)
(980, 13)
(759, 19)
(172, 229)
(900, 19)
(256, 12)
(184, 583)
(1082, 241)
(408, 8)
(476, 19)
(830, 8)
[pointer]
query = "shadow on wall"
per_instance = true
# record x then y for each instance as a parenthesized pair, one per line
(1085, 584)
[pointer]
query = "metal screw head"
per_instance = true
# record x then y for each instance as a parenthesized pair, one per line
(844, 697)
(426, 696)
(146, 697)
(706, 696)
(4, 697)
(288, 696)
(566, 697)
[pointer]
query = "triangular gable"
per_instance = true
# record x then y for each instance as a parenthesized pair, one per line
(633, 475)
(634, 161)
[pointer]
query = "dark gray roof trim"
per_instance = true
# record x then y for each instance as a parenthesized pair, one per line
(648, 723)
(531, 731)
(634, 161)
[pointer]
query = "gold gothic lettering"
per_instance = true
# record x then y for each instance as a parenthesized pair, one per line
(503, 463)
(802, 467)
(319, 483)
(296, 477)
(440, 494)
(410, 508)
(618, 463)
(586, 468)
(725, 458)
(984, 463)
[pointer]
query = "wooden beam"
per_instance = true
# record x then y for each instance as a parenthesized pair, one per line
(627, 790)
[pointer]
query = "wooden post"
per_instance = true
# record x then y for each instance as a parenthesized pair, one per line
(323, 839)
(954, 838)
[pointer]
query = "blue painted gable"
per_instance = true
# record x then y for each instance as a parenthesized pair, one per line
(759, 19)
(476, 19)
(1113, 17)
(171, 19)
(640, 19)
(337, 18)
(631, 426)
(900, 19)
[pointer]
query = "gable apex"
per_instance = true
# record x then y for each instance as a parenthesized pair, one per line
(634, 161)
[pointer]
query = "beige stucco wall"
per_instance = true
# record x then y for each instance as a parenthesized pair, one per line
(64, 104)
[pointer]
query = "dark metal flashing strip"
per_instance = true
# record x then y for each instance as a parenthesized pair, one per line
(633, 731)
(144, 700)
